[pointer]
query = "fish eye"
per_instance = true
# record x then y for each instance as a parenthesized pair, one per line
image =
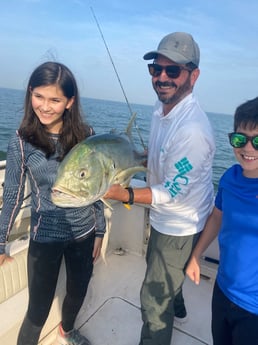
(82, 173)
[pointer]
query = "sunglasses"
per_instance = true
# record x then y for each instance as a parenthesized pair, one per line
(172, 71)
(238, 140)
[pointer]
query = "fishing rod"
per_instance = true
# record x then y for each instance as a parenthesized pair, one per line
(119, 80)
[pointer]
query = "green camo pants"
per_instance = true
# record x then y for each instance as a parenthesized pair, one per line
(161, 292)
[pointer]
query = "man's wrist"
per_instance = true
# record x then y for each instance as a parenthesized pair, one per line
(131, 196)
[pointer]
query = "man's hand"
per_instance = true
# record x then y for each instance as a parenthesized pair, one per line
(117, 192)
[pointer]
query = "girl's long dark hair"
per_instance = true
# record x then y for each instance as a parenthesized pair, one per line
(74, 129)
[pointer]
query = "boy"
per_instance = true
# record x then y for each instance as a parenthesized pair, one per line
(235, 219)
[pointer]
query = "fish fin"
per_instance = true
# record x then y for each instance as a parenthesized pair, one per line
(111, 208)
(105, 202)
(125, 175)
(128, 133)
(130, 125)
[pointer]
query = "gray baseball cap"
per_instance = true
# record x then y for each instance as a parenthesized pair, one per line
(179, 47)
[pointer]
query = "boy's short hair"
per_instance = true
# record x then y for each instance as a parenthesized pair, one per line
(246, 115)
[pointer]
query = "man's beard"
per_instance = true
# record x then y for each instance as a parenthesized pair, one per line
(180, 93)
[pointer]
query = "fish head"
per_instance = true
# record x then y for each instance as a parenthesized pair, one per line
(79, 180)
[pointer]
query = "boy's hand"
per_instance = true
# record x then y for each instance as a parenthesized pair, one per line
(193, 270)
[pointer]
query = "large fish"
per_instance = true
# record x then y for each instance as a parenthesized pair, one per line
(93, 165)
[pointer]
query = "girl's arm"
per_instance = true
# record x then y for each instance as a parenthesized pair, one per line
(13, 191)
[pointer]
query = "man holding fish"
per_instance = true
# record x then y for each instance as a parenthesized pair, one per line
(179, 183)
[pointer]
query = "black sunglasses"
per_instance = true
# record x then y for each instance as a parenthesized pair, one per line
(238, 140)
(172, 71)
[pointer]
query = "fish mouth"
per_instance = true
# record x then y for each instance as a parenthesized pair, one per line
(65, 198)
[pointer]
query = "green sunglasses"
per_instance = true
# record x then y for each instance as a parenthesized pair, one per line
(238, 140)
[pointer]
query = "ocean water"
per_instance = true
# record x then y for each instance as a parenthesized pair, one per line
(106, 115)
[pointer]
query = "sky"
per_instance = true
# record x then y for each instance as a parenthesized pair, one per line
(35, 31)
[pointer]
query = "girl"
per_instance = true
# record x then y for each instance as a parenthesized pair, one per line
(51, 126)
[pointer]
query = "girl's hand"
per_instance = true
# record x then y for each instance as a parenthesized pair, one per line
(97, 248)
(5, 258)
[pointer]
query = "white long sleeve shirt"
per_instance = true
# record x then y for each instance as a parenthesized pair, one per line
(180, 155)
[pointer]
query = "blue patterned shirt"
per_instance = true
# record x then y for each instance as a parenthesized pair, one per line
(48, 221)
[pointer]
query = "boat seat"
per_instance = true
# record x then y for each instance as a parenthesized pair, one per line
(13, 276)
(13, 290)
(14, 295)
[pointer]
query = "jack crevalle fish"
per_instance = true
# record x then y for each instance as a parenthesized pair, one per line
(93, 165)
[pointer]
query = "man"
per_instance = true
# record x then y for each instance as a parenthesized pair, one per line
(180, 190)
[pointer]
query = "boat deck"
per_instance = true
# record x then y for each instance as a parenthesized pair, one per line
(111, 312)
